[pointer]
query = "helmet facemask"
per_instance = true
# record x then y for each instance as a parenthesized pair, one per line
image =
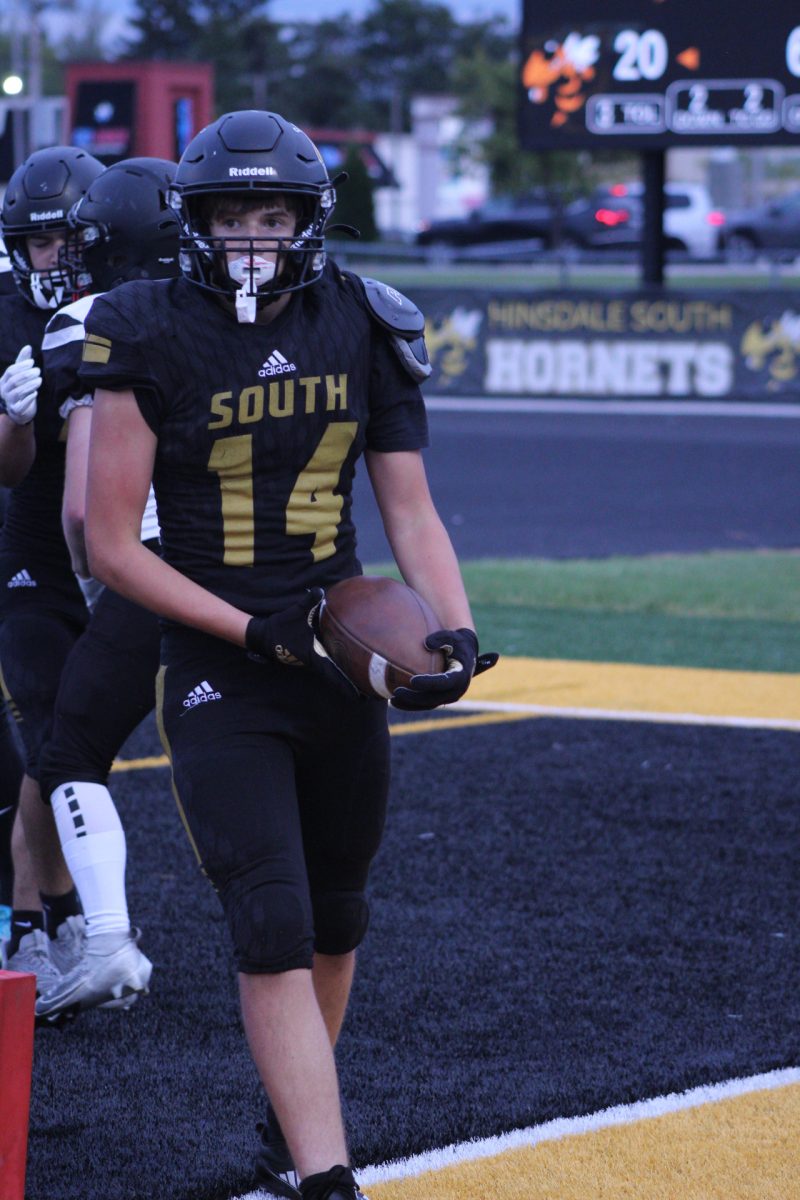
(265, 267)
(98, 258)
(48, 288)
(123, 229)
(78, 245)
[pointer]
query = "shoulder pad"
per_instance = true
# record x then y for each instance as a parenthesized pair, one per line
(394, 311)
(401, 318)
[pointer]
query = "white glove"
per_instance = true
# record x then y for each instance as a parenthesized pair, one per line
(92, 590)
(19, 388)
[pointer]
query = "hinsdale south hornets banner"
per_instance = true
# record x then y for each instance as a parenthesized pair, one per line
(688, 345)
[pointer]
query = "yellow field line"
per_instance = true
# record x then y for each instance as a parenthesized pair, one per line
(740, 1148)
(423, 726)
(563, 685)
(519, 689)
(483, 718)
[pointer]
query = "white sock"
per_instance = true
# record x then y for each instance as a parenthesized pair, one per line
(93, 842)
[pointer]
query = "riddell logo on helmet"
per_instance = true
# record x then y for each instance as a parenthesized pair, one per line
(55, 214)
(239, 171)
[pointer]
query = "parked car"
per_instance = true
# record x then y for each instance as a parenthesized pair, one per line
(609, 216)
(613, 215)
(772, 227)
(691, 222)
(504, 219)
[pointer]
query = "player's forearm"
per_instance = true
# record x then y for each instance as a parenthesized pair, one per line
(17, 451)
(73, 504)
(424, 553)
(135, 572)
(73, 528)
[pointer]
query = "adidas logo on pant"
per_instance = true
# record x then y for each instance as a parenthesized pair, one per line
(201, 695)
(22, 579)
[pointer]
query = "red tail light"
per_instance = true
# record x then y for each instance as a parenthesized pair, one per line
(611, 216)
(716, 218)
(619, 189)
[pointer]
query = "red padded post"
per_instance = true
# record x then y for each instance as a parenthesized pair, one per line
(17, 999)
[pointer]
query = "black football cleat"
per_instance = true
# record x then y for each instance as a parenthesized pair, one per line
(274, 1167)
(336, 1184)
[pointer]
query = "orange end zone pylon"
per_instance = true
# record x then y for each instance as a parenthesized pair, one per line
(17, 1000)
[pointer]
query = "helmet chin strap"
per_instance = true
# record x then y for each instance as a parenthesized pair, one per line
(251, 273)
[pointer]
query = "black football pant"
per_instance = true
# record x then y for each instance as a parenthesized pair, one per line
(107, 688)
(282, 783)
(10, 779)
(39, 625)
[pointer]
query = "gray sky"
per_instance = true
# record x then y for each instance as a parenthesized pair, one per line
(468, 10)
(60, 20)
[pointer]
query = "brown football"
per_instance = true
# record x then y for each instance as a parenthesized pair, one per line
(374, 629)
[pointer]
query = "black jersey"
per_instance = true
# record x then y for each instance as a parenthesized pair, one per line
(62, 351)
(259, 426)
(33, 515)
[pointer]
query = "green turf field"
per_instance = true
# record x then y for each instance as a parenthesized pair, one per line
(553, 274)
(734, 611)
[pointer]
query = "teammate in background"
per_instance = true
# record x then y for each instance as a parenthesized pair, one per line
(7, 285)
(10, 780)
(42, 610)
(247, 391)
(123, 228)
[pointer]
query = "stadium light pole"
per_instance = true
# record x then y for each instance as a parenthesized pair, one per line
(25, 78)
(35, 139)
(18, 122)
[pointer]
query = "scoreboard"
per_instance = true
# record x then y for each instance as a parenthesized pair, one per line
(651, 74)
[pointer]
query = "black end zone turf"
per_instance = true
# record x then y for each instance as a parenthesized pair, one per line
(567, 915)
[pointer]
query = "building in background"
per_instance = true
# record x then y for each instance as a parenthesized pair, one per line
(116, 110)
(432, 179)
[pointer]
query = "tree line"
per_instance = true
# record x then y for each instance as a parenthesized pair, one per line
(341, 72)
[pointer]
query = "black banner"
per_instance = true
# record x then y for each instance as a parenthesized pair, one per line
(558, 344)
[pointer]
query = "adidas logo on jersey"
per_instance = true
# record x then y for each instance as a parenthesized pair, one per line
(276, 364)
(22, 579)
(201, 695)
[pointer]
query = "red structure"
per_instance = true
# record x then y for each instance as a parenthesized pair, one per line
(116, 110)
(17, 998)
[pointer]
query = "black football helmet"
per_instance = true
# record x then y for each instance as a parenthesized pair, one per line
(124, 228)
(253, 154)
(38, 198)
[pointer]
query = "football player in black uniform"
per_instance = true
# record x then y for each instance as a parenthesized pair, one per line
(248, 390)
(122, 228)
(10, 780)
(42, 610)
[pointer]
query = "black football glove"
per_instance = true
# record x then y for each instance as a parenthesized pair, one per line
(290, 637)
(462, 660)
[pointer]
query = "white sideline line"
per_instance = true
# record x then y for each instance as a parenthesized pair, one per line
(551, 1131)
(624, 714)
(647, 408)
